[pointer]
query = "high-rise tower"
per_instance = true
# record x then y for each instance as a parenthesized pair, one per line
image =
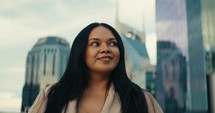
(123, 28)
(208, 28)
(45, 65)
(171, 78)
(179, 22)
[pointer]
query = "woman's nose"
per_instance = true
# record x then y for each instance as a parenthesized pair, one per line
(105, 49)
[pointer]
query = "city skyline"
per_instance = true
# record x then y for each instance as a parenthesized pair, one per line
(24, 22)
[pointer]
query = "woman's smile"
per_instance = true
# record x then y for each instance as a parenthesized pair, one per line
(105, 58)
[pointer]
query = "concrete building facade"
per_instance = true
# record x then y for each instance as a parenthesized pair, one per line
(45, 65)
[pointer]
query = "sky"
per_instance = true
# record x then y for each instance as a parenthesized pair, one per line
(23, 22)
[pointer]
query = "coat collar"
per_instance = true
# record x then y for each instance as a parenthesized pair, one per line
(111, 105)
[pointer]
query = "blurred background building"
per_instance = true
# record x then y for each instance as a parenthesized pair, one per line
(208, 32)
(137, 60)
(138, 65)
(197, 89)
(171, 77)
(179, 22)
(45, 64)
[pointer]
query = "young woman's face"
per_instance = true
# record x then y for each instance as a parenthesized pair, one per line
(102, 52)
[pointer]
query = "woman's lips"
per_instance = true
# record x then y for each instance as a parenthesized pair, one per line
(105, 58)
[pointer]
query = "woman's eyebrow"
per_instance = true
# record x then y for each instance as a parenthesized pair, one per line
(112, 39)
(93, 39)
(99, 39)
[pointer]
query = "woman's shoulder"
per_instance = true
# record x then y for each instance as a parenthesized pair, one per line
(40, 101)
(47, 89)
(153, 105)
(44, 92)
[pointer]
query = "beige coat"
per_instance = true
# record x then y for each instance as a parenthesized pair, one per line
(112, 103)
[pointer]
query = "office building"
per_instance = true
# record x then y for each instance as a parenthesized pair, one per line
(137, 60)
(179, 22)
(208, 29)
(171, 78)
(45, 64)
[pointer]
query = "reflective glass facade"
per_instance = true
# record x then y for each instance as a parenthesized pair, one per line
(181, 75)
(197, 90)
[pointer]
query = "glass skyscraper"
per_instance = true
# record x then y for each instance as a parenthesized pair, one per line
(137, 60)
(171, 78)
(178, 24)
(197, 90)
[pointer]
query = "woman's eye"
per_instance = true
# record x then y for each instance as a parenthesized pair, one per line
(94, 44)
(113, 43)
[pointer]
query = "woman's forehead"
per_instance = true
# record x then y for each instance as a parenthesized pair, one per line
(101, 31)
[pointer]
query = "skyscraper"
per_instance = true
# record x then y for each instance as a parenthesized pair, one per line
(137, 60)
(45, 65)
(208, 28)
(138, 65)
(124, 29)
(179, 22)
(197, 90)
(171, 78)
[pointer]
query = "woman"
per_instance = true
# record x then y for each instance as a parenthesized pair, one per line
(95, 80)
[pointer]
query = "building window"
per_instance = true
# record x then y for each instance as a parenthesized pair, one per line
(213, 60)
(166, 71)
(174, 69)
(53, 68)
(37, 71)
(61, 65)
(44, 68)
(32, 70)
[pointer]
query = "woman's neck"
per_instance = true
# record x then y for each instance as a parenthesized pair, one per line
(94, 96)
(97, 82)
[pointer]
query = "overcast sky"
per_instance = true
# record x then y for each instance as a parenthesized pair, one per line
(23, 22)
